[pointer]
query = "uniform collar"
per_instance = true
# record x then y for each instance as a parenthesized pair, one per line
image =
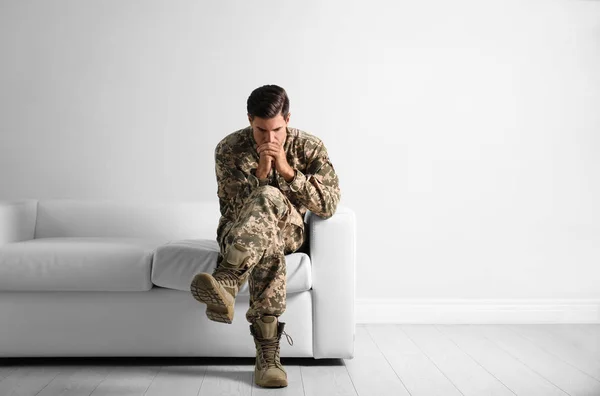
(251, 141)
(288, 139)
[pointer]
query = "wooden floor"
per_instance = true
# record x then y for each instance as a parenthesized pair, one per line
(446, 360)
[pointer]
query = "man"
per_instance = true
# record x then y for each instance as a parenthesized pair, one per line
(268, 176)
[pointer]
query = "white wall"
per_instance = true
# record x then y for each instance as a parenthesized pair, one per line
(465, 133)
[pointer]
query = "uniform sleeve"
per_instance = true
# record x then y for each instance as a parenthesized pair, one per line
(317, 189)
(230, 185)
(255, 181)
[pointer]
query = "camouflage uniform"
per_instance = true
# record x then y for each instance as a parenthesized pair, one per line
(267, 216)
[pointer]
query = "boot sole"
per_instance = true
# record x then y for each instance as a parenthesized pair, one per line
(274, 383)
(219, 303)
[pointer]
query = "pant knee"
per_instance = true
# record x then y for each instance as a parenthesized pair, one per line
(269, 195)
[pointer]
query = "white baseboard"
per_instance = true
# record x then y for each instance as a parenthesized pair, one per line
(482, 311)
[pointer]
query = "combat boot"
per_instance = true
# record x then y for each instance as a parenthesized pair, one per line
(268, 370)
(218, 291)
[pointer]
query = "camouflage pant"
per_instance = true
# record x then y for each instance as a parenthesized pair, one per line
(270, 226)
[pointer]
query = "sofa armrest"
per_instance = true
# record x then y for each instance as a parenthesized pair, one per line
(17, 220)
(333, 258)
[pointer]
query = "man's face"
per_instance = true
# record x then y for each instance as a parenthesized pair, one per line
(269, 130)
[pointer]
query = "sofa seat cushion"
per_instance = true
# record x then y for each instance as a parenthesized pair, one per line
(177, 262)
(78, 263)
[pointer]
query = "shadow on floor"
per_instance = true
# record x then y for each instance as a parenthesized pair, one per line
(158, 361)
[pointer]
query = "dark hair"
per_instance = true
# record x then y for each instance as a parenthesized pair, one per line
(268, 101)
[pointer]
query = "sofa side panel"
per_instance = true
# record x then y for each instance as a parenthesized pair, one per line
(333, 259)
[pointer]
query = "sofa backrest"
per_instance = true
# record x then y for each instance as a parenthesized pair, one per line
(171, 220)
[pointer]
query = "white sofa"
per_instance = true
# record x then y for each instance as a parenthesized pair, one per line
(108, 278)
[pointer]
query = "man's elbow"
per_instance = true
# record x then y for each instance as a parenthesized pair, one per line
(328, 209)
(325, 215)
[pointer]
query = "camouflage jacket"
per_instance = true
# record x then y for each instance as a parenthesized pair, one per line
(315, 185)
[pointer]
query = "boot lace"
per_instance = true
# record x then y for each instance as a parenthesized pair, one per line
(229, 276)
(269, 348)
(288, 337)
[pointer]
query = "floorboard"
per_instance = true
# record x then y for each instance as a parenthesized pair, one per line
(390, 359)
(514, 374)
(418, 373)
(460, 368)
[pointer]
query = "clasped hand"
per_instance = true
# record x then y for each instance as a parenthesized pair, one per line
(272, 154)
